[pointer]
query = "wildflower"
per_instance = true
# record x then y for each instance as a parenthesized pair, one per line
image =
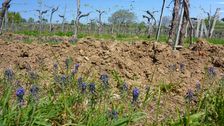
(75, 70)
(92, 87)
(198, 86)
(135, 94)
(55, 66)
(34, 91)
(84, 87)
(77, 66)
(211, 71)
(104, 78)
(182, 67)
(125, 87)
(20, 93)
(114, 114)
(189, 96)
(9, 74)
(63, 79)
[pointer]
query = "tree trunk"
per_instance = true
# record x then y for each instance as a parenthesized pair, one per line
(174, 23)
(77, 20)
(5, 6)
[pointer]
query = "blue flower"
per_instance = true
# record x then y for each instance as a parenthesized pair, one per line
(84, 87)
(105, 79)
(34, 91)
(211, 71)
(189, 96)
(63, 79)
(92, 87)
(198, 86)
(135, 94)
(114, 114)
(75, 70)
(125, 87)
(20, 93)
(9, 74)
(55, 66)
(77, 66)
(182, 67)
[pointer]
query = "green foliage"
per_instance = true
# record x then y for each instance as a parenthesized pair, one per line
(65, 105)
(122, 17)
(15, 17)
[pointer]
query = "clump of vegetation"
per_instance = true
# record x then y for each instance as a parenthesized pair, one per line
(71, 99)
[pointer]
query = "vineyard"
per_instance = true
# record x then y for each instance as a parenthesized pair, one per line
(164, 71)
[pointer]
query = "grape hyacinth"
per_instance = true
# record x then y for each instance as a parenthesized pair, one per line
(114, 114)
(198, 86)
(182, 67)
(92, 87)
(104, 78)
(63, 79)
(20, 93)
(55, 66)
(75, 70)
(135, 94)
(9, 74)
(34, 92)
(189, 95)
(211, 71)
(84, 87)
(124, 87)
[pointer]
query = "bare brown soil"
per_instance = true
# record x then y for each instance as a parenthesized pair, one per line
(138, 63)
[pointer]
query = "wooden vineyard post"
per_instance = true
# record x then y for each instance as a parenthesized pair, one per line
(198, 27)
(179, 27)
(160, 21)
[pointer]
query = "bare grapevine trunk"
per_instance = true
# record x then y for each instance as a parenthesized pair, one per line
(174, 23)
(77, 20)
(5, 6)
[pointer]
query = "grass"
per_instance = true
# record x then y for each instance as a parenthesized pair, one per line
(118, 37)
(68, 100)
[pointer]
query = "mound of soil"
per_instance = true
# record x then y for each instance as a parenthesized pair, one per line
(138, 63)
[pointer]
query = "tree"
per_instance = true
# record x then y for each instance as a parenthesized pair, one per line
(222, 19)
(53, 10)
(174, 23)
(122, 17)
(77, 19)
(15, 17)
(30, 20)
(150, 17)
(100, 21)
(5, 7)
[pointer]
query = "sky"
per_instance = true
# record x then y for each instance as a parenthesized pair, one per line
(28, 8)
